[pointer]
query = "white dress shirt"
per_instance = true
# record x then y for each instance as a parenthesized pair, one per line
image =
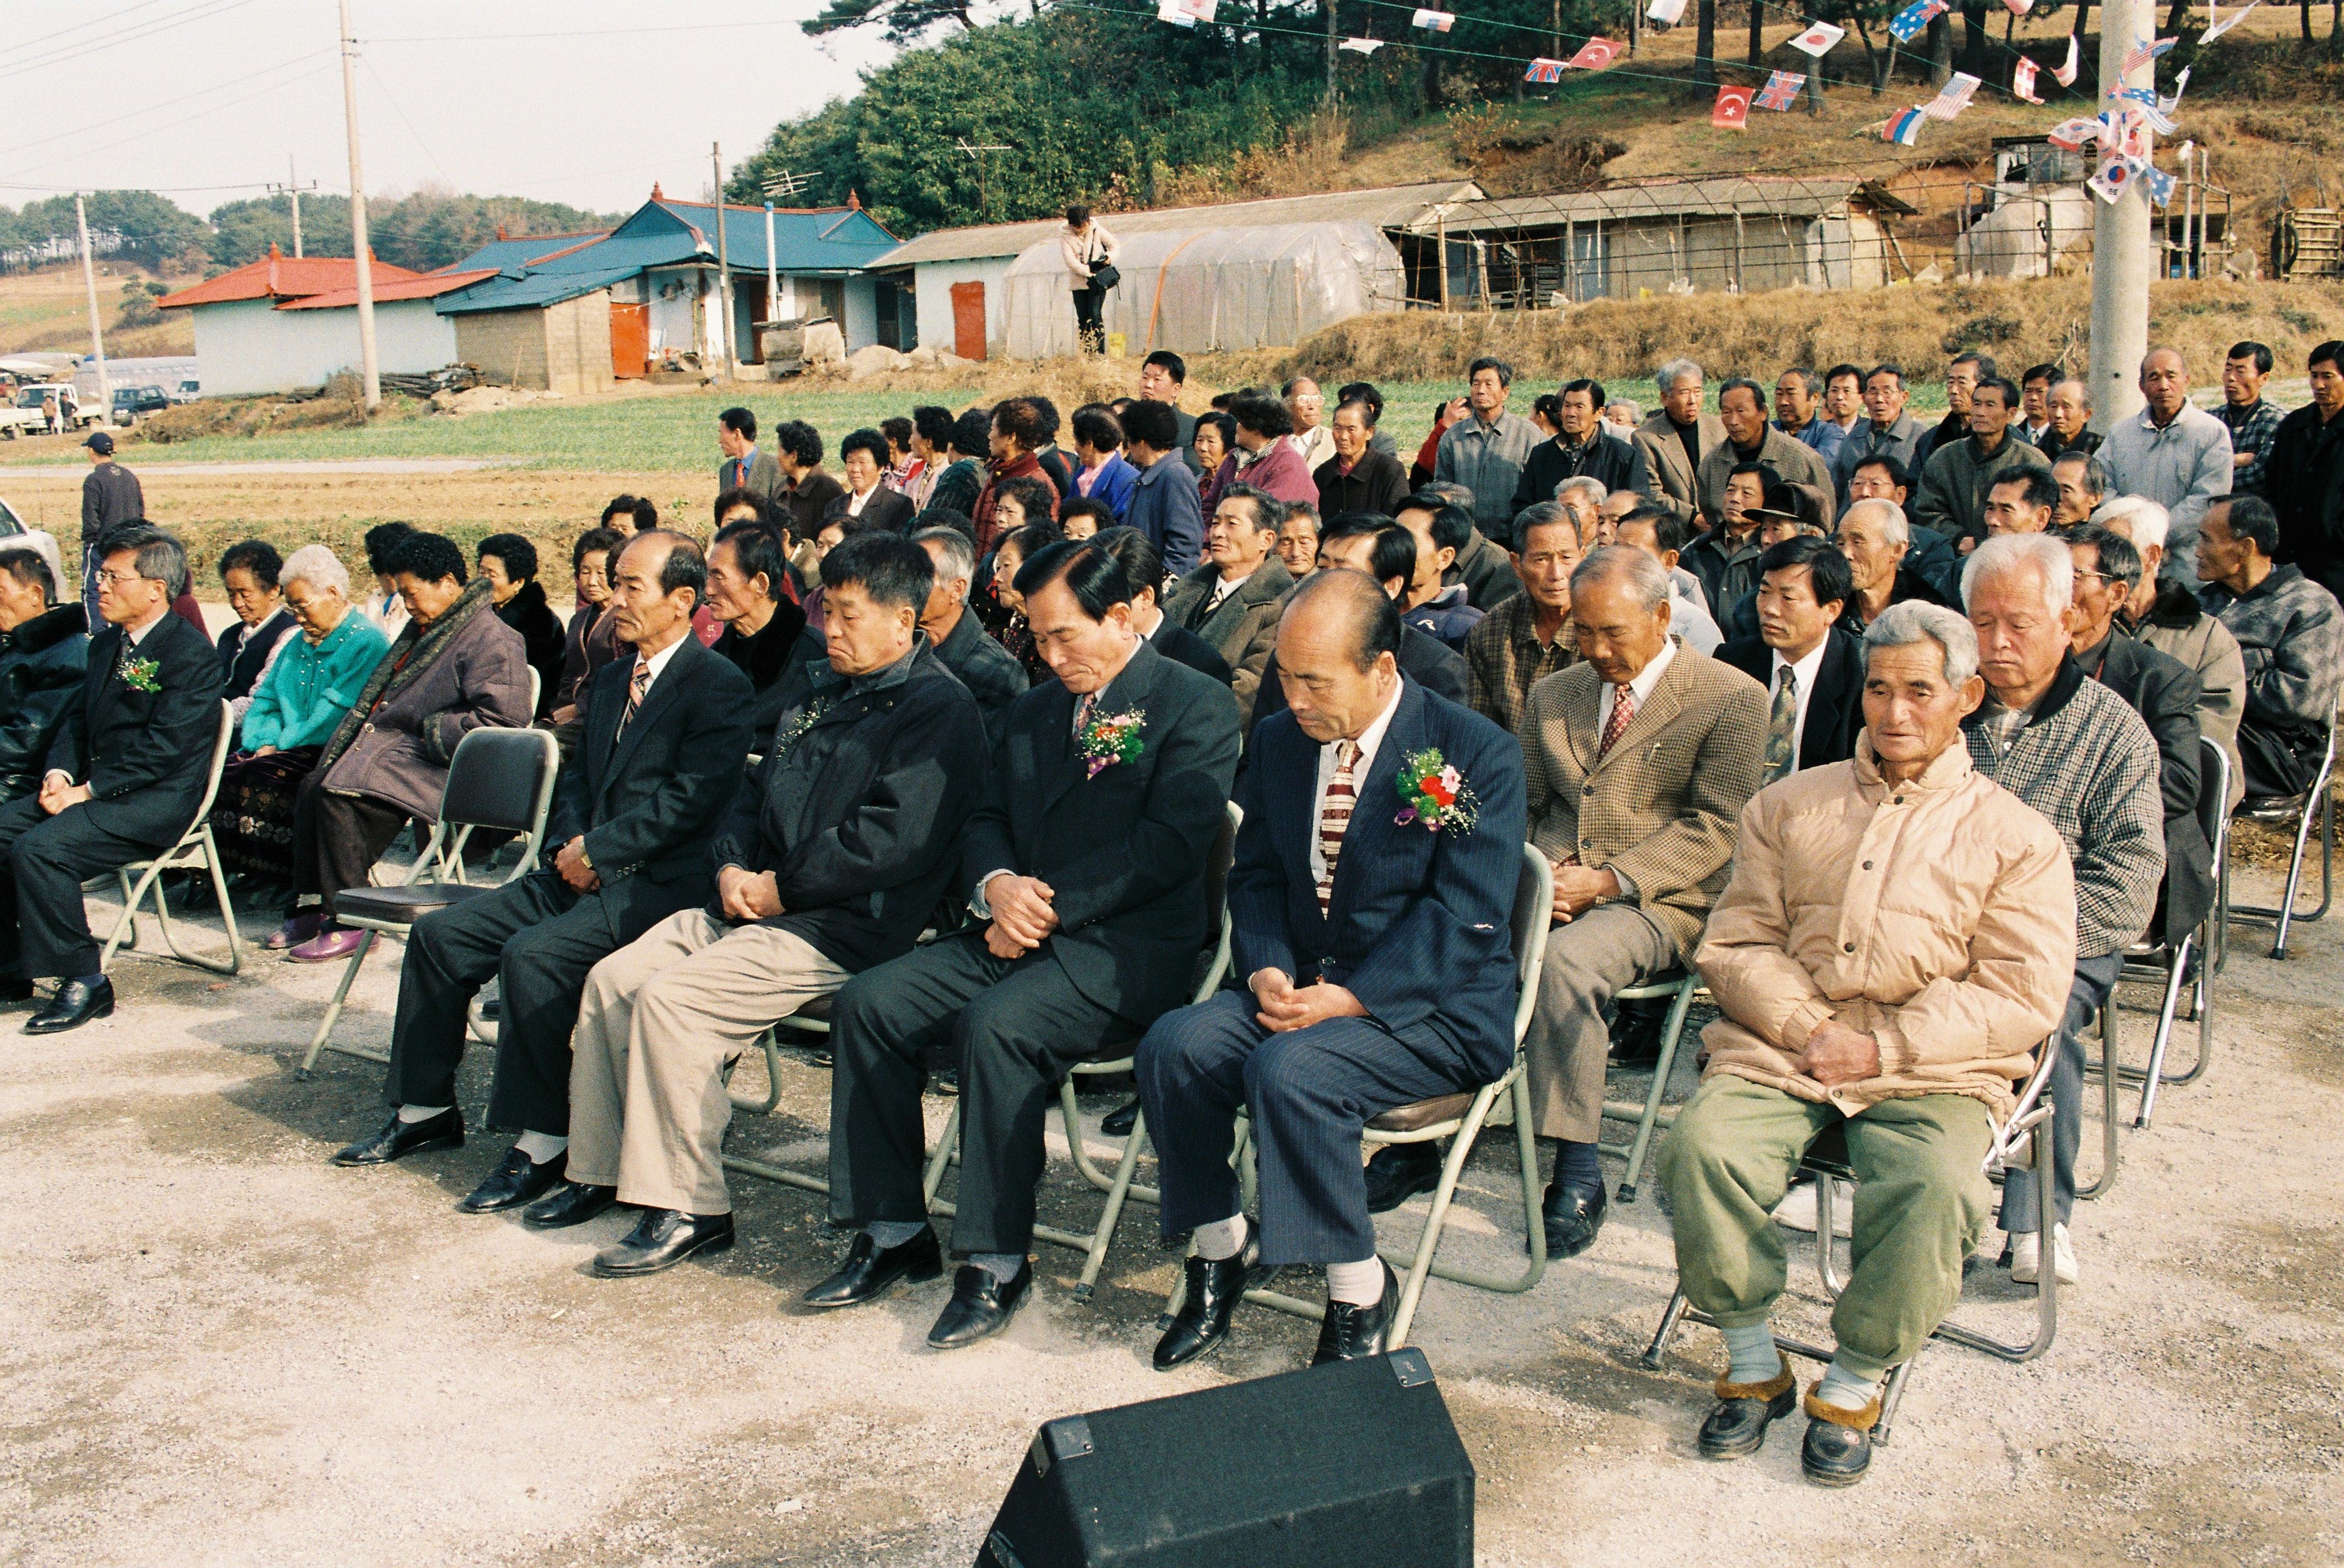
(1804, 674)
(1646, 679)
(1369, 741)
(658, 662)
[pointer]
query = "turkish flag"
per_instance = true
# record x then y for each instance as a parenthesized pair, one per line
(1732, 110)
(1598, 54)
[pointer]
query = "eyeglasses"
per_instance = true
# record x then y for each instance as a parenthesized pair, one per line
(118, 578)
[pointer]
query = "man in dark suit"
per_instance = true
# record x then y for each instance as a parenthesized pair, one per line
(977, 660)
(744, 467)
(665, 731)
(1085, 871)
(1811, 667)
(1371, 940)
(1386, 552)
(1144, 569)
(1231, 601)
(125, 776)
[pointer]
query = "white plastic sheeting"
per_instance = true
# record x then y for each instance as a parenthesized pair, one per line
(2026, 236)
(1192, 290)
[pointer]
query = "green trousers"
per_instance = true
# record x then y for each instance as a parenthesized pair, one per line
(1921, 1204)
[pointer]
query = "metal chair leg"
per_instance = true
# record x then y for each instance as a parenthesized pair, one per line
(946, 1147)
(1672, 1318)
(125, 927)
(334, 1012)
(2111, 1087)
(2154, 1074)
(234, 959)
(1671, 1032)
(1112, 1214)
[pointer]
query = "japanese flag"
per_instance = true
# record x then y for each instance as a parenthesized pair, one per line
(1732, 110)
(1819, 39)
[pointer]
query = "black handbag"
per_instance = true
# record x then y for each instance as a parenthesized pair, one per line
(1105, 278)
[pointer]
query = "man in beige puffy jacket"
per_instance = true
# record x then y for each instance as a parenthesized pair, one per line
(1894, 943)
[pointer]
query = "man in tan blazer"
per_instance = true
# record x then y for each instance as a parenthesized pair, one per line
(1639, 761)
(1672, 472)
(1232, 600)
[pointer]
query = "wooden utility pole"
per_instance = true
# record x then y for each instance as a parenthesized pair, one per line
(369, 363)
(96, 336)
(724, 262)
(1328, 8)
(2121, 252)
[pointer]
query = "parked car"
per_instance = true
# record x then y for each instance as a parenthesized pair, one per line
(10, 525)
(26, 413)
(130, 402)
(186, 391)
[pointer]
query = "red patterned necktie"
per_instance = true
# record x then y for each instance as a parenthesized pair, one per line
(1335, 819)
(1623, 714)
(635, 689)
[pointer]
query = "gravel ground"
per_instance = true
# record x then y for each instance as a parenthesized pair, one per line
(217, 1348)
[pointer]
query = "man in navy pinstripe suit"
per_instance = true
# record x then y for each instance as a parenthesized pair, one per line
(1369, 908)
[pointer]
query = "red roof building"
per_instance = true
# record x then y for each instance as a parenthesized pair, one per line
(278, 277)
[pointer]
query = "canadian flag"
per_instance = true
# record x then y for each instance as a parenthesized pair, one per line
(1819, 39)
(2022, 80)
(1732, 110)
(1597, 54)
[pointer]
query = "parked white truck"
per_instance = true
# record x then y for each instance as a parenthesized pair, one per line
(26, 412)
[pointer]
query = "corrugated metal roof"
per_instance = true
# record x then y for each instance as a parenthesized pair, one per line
(277, 276)
(1386, 207)
(533, 289)
(524, 250)
(1753, 196)
(430, 286)
(815, 239)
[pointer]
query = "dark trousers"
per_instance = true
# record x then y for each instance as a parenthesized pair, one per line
(44, 861)
(539, 938)
(1310, 1093)
(2282, 763)
(2022, 1201)
(1089, 327)
(1016, 1025)
(337, 838)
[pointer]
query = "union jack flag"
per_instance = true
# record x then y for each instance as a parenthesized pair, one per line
(1782, 90)
(2145, 52)
(1952, 99)
(1543, 70)
(1906, 25)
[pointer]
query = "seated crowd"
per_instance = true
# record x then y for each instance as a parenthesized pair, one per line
(1891, 734)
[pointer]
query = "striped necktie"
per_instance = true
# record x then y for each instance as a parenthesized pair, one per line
(635, 689)
(1782, 726)
(1335, 819)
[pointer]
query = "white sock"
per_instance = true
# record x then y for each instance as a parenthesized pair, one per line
(1222, 1239)
(1358, 1284)
(419, 1112)
(543, 1148)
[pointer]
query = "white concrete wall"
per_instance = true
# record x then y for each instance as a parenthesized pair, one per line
(247, 346)
(932, 289)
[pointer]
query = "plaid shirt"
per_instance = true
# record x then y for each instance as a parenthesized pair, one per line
(2087, 762)
(1503, 658)
(2251, 429)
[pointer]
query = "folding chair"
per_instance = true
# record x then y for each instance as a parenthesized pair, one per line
(193, 852)
(2023, 1142)
(1679, 985)
(1459, 1117)
(500, 780)
(2285, 912)
(2168, 966)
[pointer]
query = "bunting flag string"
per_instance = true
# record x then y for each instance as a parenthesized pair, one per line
(1902, 127)
(1543, 70)
(1781, 91)
(1906, 25)
(1594, 55)
(2160, 186)
(1732, 111)
(1953, 98)
(2146, 52)
(2065, 74)
(2022, 81)
(2216, 26)
(1819, 39)
(2073, 136)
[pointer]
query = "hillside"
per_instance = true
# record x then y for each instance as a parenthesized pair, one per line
(50, 310)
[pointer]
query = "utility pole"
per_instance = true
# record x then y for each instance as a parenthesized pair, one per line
(724, 261)
(369, 363)
(96, 337)
(773, 271)
(293, 193)
(1328, 8)
(2121, 253)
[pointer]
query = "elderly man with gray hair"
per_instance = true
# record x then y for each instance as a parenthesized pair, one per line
(1639, 758)
(1875, 537)
(1850, 1002)
(1676, 438)
(2078, 754)
(2165, 615)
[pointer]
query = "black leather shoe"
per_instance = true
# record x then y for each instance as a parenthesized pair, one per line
(571, 1203)
(1350, 1334)
(662, 1239)
(870, 1268)
(1215, 1287)
(76, 1004)
(15, 991)
(1573, 1217)
(398, 1139)
(518, 1179)
(981, 1306)
(1399, 1171)
(1118, 1122)
(1838, 1449)
(1736, 1425)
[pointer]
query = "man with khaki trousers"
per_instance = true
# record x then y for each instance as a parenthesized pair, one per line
(1638, 760)
(835, 855)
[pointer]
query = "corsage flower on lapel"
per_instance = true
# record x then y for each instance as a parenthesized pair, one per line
(1111, 738)
(142, 674)
(1435, 794)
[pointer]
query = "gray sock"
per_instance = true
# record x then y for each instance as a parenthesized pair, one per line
(895, 1232)
(1002, 1266)
(1843, 1389)
(1751, 1357)
(413, 1113)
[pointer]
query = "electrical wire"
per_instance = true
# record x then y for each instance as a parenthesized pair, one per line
(79, 27)
(203, 11)
(170, 103)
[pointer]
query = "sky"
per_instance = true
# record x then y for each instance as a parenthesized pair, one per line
(586, 102)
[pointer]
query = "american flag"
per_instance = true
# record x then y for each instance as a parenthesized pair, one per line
(1952, 99)
(1782, 90)
(2144, 52)
(1902, 127)
(1543, 70)
(1906, 25)
(2022, 81)
(1594, 55)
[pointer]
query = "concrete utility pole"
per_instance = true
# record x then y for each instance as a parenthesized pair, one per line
(723, 263)
(293, 193)
(2123, 259)
(773, 272)
(96, 337)
(369, 363)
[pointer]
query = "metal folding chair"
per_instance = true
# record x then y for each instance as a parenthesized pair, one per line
(2169, 966)
(2285, 912)
(1680, 986)
(500, 780)
(193, 852)
(2022, 1142)
(1460, 1117)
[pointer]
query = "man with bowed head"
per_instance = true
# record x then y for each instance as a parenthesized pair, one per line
(1084, 866)
(1371, 906)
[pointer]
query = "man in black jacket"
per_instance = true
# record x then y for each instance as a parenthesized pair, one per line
(1581, 448)
(1084, 868)
(1144, 570)
(832, 856)
(977, 659)
(509, 561)
(44, 658)
(1386, 552)
(125, 776)
(1811, 667)
(110, 497)
(665, 730)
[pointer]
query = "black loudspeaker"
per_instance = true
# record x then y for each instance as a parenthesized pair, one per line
(1355, 1462)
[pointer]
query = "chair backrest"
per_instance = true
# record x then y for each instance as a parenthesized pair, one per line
(2213, 794)
(1533, 919)
(536, 687)
(1224, 854)
(499, 779)
(221, 744)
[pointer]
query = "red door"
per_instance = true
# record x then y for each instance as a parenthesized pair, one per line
(630, 340)
(968, 320)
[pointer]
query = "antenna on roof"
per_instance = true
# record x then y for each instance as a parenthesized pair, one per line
(788, 186)
(977, 154)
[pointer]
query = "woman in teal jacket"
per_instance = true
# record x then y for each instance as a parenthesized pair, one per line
(309, 686)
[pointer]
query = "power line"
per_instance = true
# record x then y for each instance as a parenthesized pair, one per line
(169, 103)
(80, 28)
(391, 98)
(199, 113)
(201, 13)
